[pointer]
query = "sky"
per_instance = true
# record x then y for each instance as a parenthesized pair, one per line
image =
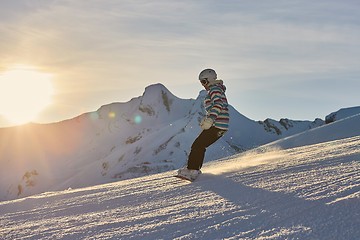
(278, 59)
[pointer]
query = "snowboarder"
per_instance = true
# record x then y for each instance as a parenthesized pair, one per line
(214, 125)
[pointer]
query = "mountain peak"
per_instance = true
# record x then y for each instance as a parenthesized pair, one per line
(156, 90)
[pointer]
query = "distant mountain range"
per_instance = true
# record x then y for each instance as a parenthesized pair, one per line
(149, 134)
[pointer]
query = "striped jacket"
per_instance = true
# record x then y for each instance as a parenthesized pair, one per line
(216, 105)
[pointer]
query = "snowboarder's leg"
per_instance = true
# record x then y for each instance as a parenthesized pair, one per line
(198, 148)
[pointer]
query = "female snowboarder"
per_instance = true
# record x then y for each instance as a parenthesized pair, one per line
(214, 125)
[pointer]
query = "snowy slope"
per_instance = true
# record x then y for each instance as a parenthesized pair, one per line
(306, 192)
(342, 113)
(343, 128)
(149, 134)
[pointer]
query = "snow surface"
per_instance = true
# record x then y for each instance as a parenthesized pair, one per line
(290, 189)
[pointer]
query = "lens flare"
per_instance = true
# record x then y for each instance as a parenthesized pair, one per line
(137, 119)
(94, 116)
(112, 115)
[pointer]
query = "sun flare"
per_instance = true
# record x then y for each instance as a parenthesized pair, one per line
(24, 93)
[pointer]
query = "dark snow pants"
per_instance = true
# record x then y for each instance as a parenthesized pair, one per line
(198, 148)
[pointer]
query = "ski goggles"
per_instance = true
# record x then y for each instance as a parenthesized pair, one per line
(204, 81)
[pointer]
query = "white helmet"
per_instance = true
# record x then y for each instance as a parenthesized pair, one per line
(208, 74)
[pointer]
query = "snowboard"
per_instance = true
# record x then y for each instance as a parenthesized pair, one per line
(184, 178)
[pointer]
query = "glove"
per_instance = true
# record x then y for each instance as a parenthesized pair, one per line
(206, 123)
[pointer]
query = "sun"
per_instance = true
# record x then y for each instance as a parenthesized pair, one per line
(24, 93)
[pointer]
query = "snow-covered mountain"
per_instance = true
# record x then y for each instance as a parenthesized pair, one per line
(288, 189)
(341, 114)
(149, 134)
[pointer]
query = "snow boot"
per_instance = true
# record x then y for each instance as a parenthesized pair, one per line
(189, 174)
